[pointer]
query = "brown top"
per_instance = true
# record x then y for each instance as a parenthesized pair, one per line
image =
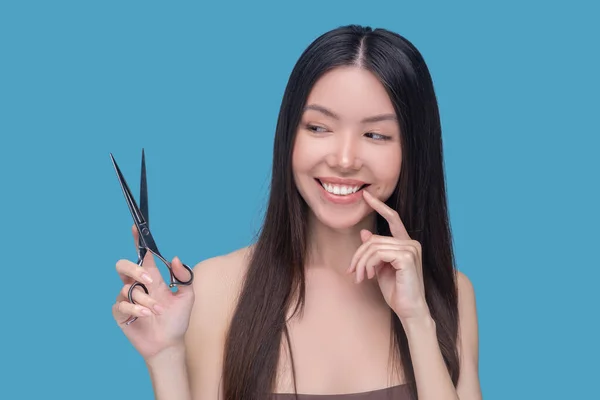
(399, 392)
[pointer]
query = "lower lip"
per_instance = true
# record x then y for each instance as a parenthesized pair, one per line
(339, 199)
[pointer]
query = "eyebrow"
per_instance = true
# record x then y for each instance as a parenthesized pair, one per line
(331, 114)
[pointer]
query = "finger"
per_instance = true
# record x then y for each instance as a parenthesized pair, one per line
(123, 310)
(182, 274)
(410, 246)
(397, 228)
(130, 271)
(396, 256)
(399, 258)
(141, 298)
(370, 238)
(362, 265)
(381, 253)
(364, 235)
(373, 264)
(384, 261)
(119, 316)
(385, 256)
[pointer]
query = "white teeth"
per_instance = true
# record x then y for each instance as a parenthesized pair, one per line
(340, 189)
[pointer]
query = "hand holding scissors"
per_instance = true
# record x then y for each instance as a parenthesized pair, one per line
(158, 306)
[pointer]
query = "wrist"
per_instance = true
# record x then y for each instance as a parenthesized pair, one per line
(417, 326)
(168, 355)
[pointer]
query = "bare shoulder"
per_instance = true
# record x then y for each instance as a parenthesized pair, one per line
(219, 278)
(467, 311)
(217, 282)
(466, 291)
(468, 385)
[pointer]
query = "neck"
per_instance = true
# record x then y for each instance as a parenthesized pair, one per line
(334, 248)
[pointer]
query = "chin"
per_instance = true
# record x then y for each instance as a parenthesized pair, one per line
(340, 219)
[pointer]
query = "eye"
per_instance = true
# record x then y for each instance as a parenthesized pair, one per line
(315, 128)
(377, 136)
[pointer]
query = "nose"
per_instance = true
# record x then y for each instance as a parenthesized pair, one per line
(345, 153)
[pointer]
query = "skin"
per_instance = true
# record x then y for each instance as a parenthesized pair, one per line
(354, 279)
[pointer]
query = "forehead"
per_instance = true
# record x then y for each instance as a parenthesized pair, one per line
(351, 92)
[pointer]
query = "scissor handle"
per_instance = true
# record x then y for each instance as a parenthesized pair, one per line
(176, 282)
(136, 284)
(133, 286)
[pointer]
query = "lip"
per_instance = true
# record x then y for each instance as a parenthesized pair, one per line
(340, 181)
(337, 199)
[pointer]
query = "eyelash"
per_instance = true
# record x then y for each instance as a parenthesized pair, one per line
(312, 127)
(382, 137)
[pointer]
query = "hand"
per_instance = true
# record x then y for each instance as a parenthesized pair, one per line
(396, 261)
(163, 316)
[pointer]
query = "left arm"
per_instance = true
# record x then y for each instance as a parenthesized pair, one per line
(432, 377)
(396, 261)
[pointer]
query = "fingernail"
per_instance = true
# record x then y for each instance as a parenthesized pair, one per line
(146, 278)
(158, 308)
(146, 312)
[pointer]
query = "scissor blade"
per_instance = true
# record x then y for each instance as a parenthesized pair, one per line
(138, 218)
(144, 191)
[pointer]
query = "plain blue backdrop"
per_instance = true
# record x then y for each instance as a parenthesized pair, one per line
(199, 84)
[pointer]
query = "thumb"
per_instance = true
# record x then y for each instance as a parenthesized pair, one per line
(365, 235)
(182, 274)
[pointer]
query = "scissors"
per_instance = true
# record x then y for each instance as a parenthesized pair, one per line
(146, 241)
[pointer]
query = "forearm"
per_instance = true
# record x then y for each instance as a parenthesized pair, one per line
(169, 376)
(431, 375)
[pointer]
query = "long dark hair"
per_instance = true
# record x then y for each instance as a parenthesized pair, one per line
(274, 281)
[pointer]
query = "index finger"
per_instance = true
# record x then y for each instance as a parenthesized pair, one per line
(397, 228)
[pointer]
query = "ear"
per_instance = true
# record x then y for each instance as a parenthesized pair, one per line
(365, 235)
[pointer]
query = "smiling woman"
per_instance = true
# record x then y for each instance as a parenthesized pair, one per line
(350, 291)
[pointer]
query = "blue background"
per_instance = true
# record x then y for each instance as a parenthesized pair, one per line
(199, 87)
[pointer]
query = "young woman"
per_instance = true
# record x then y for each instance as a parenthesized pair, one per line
(350, 289)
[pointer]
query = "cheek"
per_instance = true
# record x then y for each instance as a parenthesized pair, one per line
(304, 156)
(304, 160)
(392, 173)
(301, 165)
(386, 170)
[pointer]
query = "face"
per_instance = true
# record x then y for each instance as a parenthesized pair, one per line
(348, 140)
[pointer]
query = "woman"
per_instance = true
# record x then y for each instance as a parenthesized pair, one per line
(350, 289)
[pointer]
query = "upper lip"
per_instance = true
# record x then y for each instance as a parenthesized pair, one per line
(340, 181)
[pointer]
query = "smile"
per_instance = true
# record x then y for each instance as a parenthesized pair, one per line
(342, 189)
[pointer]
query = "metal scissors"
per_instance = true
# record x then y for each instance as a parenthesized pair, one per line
(146, 241)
